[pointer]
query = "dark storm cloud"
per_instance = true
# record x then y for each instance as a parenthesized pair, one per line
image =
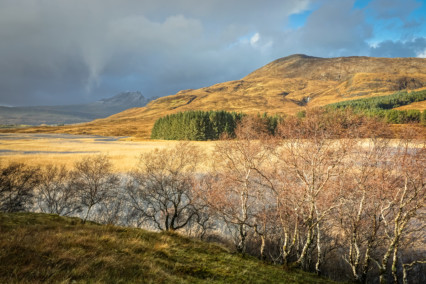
(413, 48)
(335, 29)
(63, 51)
(393, 8)
(54, 52)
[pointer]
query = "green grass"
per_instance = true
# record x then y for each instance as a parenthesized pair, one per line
(40, 248)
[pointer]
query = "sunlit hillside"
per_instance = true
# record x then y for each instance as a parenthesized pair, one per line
(42, 248)
(284, 86)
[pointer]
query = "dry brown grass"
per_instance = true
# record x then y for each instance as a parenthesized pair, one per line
(417, 105)
(124, 154)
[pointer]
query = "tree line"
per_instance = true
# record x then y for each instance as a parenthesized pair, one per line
(202, 125)
(383, 107)
(327, 193)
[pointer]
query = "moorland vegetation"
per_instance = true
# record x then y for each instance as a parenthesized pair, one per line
(327, 192)
(47, 248)
(211, 125)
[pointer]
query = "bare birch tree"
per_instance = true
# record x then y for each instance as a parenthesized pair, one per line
(161, 189)
(402, 203)
(17, 184)
(236, 193)
(312, 159)
(94, 181)
(55, 193)
(360, 214)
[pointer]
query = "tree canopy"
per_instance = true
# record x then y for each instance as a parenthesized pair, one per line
(383, 107)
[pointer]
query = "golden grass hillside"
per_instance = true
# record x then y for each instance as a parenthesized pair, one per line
(42, 248)
(284, 86)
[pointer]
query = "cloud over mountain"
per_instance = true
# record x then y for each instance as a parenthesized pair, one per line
(55, 52)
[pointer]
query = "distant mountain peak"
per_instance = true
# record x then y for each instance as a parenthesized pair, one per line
(126, 97)
(284, 86)
(65, 114)
(339, 69)
(297, 56)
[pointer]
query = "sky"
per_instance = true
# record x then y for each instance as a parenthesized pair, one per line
(56, 52)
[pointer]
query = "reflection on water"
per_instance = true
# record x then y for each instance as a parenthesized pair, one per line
(20, 136)
(13, 152)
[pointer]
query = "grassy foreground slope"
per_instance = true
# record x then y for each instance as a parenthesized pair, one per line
(40, 248)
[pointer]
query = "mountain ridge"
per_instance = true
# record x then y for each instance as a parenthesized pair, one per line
(74, 113)
(283, 86)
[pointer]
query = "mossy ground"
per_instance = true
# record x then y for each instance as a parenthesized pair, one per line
(40, 248)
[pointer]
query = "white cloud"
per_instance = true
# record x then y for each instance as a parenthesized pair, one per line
(409, 48)
(65, 49)
(422, 54)
(255, 39)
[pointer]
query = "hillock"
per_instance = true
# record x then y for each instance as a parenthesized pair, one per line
(44, 248)
(284, 87)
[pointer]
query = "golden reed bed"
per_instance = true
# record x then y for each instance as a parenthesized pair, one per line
(66, 149)
(62, 149)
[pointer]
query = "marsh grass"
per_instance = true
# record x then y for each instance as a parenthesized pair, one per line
(124, 154)
(42, 248)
